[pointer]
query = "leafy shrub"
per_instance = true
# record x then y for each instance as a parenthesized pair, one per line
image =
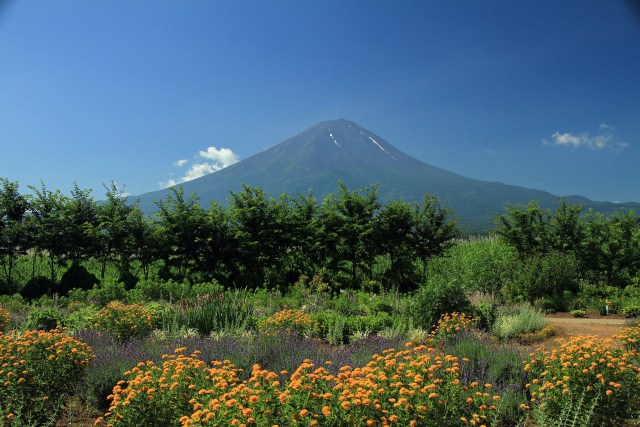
(44, 318)
(158, 290)
(108, 290)
(485, 308)
(37, 287)
(631, 307)
(517, 320)
(437, 297)
(332, 327)
(585, 368)
(45, 367)
(5, 317)
(578, 313)
(288, 321)
(76, 277)
(186, 392)
(539, 276)
(481, 265)
(124, 322)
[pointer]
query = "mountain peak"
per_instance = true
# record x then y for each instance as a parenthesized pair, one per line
(341, 150)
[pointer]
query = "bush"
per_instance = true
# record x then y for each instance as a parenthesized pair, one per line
(46, 368)
(157, 290)
(76, 277)
(587, 369)
(124, 322)
(44, 318)
(437, 297)
(518, 320)
(540, 276)
(108, 290)
(37, 287)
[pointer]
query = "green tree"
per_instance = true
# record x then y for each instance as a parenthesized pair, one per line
(526, 228)
(114, 230)
(566, 228)
(146, 242)
(48, 226)
(259, 227)
(434, 230)
(80, 226)
(347, 230)
(218, 249)
(394, 232)
(181, 223)
(13, 233)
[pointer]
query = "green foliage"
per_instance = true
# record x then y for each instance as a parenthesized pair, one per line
(44, 318)
(542, 275)
(435, 298)
(483, 265)
(76, 277)
(108, 290)
(434, 230)
(37, 287)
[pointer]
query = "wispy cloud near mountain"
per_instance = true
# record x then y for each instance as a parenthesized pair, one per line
(604, 139)
(207, 161)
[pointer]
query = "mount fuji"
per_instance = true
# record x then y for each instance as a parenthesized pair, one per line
(340, 150)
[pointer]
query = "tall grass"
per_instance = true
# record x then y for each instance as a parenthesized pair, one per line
(228, 311)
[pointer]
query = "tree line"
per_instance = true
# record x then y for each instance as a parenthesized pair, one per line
(255, 240)
(605, 250)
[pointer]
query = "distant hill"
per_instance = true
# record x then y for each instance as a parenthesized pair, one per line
(340, 150)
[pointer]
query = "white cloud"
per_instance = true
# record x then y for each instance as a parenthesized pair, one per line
(206, 162)
(603, 140)
(224, 156)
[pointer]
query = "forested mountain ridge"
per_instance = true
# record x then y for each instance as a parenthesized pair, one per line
(341, 151)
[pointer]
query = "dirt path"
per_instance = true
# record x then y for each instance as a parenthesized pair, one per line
(604, 327)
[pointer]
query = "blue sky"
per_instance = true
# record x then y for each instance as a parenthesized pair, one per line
(539, 94)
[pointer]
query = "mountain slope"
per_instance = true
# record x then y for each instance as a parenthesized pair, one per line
(340, 150)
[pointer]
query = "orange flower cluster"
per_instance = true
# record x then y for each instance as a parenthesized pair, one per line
(630, 338)
(124, 321)
(288, 321)
(5, 317)
(451, 324)
(586, 368)
(37, 371)
(415, 386)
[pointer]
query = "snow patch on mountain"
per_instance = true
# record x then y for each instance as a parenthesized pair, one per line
(334, 140)
(381, 147)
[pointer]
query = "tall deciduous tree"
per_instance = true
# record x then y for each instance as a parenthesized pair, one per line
(525, 228)
(434, 230)
(181, 223)
(347, 230)
(48, 226)
(394, 230)
(257, 223)
(114, 230)
(13, 233)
